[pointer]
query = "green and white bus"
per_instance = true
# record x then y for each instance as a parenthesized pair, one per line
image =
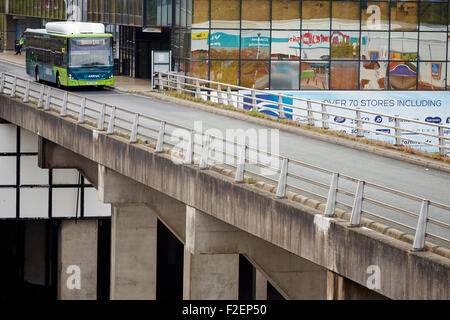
(70, 54)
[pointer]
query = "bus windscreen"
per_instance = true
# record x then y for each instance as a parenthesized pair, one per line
(89, 52)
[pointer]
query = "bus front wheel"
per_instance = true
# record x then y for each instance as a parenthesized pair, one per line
(36, 75)
(58, 81)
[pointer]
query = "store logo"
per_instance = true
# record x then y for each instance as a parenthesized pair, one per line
(433, 119)
(373, 22)
(74, 279)
(339, 119)
(378, 119)
(448, 120)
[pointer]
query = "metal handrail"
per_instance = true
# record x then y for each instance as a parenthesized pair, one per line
(181, 80)
(107, 116)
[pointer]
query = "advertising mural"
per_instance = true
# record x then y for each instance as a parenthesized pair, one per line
(430, 107)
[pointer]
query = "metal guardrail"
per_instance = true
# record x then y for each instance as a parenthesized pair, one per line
(337, 190)
(228, 95)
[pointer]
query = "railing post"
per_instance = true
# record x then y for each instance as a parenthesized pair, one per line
(41, 97)
(281, 108)
(282, 181)
(134, 129)
(310, 113)
(27, 92)
(442, 145)
(398, 132)
(47, 102)
(229, 98)
(332, 193)
(355, 218)
(254, 107)
(197, 89)
(112, 119)
(82, 111)
(325, 124)
(101, 119)
(240, 169)
(64, 105)
(205, 151)
(2, 82)
(219, 94)
(359, 131)
(189, 158)
(419, 239)
(160, 84)
(178, 84)
(160, 142)
(13, 89)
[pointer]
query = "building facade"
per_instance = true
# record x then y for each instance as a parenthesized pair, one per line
(271, 44)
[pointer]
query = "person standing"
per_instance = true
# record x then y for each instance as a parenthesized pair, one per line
(20, 45)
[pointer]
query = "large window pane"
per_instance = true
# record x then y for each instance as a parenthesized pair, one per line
(315, 75)
(374, 15)
(315, 45)
(402, 75)
(404, 45)
(404, 16)
(316, 15)
(255, 74)
(373, 75)
(225, 13)
(198, 69)
(285, 45)
(374, 45)
(285, 14)
(432, 46)
(432, 75)
(344, 75)
(256, 14)
(224, 44)
(200, 13)
(225, 71)
(344, 45)
(433, 16)
(255, 44)
(199, 43)
(284, 75)
(345, 15)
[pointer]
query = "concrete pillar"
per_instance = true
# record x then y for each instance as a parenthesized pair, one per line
(260, 289)
(133, 253)
(135, 212)
(78, 260)
(35, 252)
(293, 277)
(340, 288)
(211, 258)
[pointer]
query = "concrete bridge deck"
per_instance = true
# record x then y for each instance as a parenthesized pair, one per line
(130, 175)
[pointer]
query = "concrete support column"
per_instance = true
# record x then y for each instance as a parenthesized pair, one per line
(133, 253)
(135, 211)
(293, 277)
(260, 289)
(78, 260)
(211, 258)
(340, 288)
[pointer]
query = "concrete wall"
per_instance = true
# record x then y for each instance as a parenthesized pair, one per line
(292, 226)
(77, 266)
(133, 253)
